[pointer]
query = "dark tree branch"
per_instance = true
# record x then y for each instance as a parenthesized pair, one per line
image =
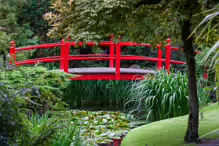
(147, 2)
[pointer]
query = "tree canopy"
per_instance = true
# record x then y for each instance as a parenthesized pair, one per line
(92, 19)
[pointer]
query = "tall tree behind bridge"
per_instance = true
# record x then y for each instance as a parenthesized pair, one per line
(9, 27)
(32, 14)
(141, 20)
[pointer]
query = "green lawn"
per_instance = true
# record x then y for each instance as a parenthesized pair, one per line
(170, 132)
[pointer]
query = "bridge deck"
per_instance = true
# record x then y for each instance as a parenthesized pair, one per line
(103, 70)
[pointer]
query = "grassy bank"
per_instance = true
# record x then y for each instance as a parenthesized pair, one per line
(170, 132)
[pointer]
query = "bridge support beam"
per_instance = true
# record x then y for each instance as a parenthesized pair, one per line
(168, 55)
(118, 60)
(159, 54)
(62, 54)
(112, 55)
(13, 52)
(66, 56)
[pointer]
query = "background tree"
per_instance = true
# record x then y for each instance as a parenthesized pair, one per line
(140, 20)
(9, 26)
(32, 14)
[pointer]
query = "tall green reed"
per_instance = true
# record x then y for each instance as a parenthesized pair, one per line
(164, 96)
(160, 97)
(101, 94)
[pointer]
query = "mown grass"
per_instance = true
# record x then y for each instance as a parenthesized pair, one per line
(170, 132)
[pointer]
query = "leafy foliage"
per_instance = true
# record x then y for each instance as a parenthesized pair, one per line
(211, 59)
(90, 9)
(203, 92)
(208, 36)
(26, 90)
(92, 19)
(47, 86)
(209, 32)
(74, 127)
(32, 13)
(9, 28)
(50, 129)
(11, 114)
(4, 39)
(206, 30)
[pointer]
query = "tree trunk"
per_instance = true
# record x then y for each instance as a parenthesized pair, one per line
(193, 121)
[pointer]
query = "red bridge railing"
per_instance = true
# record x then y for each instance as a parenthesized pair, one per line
(114, 57)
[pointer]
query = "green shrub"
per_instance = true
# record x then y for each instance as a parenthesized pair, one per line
(41, 130)
(204, 90)
(26, 90)
(43, 87)
(68, 134)
(11, 114)
(50, 130)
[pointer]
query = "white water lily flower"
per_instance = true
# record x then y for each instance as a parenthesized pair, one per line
(86, 122)
(111, 135)
(122, 117)
(85, 118)
(104, 121)
(107, 116)
(103, 134)
(102, 126)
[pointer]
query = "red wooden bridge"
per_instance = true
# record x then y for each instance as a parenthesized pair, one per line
(113, 72)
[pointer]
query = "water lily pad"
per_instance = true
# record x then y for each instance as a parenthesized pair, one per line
(102, 126)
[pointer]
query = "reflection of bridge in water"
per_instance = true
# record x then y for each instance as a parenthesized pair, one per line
(113, 72)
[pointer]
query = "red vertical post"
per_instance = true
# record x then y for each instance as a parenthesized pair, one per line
(205, 73)
(62, 55)
(111, 63)
(115, 142)
(118, 54)
(12, 52)
(66, 56)
(159, 55)
(168, 55)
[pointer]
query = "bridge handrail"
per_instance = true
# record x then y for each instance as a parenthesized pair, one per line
(42, 46)
(85, 57)
(114, 56)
